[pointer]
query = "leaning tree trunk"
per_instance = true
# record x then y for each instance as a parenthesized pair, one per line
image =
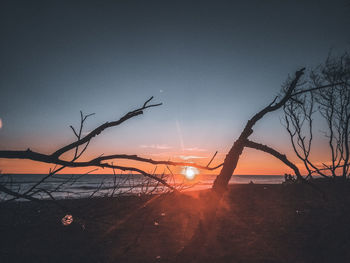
(231, 160)
(206, 224)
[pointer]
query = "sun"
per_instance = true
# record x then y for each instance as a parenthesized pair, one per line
(189, 172)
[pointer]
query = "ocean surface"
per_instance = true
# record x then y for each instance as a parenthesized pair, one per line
(65, 186)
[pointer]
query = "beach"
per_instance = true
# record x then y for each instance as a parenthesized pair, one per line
(77, 186)
(254, 223)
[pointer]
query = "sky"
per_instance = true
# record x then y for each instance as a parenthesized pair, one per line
(212, 64)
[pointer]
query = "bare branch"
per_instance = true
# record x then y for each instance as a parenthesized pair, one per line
(316, 88)
(231, 160)
(282, 157)
(330, 90)
(16, 194)
(104, 126)
(28, 154)
(212, 158)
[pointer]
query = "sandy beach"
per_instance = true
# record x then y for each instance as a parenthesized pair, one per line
(255, 223)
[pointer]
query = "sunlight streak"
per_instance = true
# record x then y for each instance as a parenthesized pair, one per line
(180, 135)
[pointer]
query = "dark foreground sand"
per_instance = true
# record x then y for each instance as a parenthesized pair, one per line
(255, 223)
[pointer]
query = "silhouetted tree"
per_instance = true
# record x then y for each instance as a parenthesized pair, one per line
(333, 105)
(290, 93)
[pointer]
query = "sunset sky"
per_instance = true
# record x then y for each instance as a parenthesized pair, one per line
(212, 64)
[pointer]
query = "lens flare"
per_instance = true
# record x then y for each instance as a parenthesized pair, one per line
(67, 220)
(190, 172)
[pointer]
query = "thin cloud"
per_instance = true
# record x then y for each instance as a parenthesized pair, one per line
(188, 157)
(156, 146)
(195, 149)
(0, 123)
(162, 154)
(179, 133)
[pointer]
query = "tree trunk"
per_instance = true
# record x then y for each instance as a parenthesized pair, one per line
(212, 199)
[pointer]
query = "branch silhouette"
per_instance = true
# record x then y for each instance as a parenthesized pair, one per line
(101, 161)
(275, 153)
(231, 160)
(104, 126)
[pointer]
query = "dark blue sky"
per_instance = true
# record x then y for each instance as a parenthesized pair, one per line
(212, 63)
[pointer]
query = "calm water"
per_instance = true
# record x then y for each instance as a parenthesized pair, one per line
(78, 186)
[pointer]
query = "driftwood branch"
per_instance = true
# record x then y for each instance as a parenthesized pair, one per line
(98, 162)
(275, 153)
(231, 160)
(212, 158)
(101, 161)
(104, 126)
(283, 158)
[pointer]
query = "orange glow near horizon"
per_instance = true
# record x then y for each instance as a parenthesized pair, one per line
(250, 163)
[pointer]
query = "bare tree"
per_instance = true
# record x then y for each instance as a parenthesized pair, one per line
(232, 158)
(290, 92)
(299, 124)
(333, 105)
(296, 95)
(230, 163)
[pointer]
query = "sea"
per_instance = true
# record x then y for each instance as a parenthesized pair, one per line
(70, 186)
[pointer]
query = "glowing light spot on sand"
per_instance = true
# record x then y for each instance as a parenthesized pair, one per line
(190, 172)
